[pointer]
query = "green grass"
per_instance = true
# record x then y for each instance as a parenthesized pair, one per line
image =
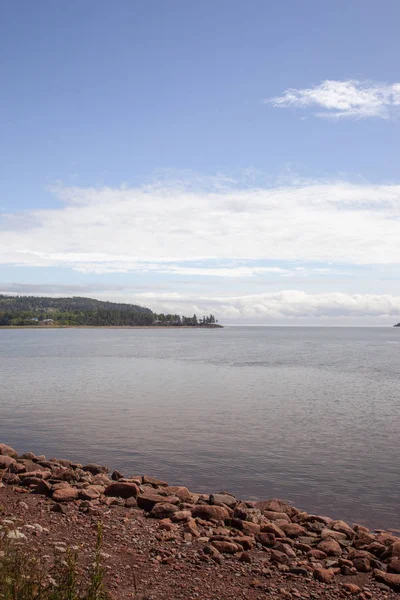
(25, 577)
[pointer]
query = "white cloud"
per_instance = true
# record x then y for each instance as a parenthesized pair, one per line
(283, 305)
(220, 232)
(345, 99)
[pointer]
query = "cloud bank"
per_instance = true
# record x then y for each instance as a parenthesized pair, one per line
(345, 99)
(268, 308)
(220, 232)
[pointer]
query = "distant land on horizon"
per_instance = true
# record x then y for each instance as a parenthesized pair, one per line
(78, 311)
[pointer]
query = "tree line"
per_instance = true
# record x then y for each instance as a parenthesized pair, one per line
(36, 311)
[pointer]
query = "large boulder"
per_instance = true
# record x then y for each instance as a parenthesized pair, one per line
(122, 490)
(210, 513)
(392, 580)
(8, 451)
(95, 469)
(65, 494)
(163, 510)
(148, 501)
(6, 461)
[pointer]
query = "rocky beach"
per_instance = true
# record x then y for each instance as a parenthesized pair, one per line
(166, 542)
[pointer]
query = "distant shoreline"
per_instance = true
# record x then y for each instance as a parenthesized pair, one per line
(111, 327)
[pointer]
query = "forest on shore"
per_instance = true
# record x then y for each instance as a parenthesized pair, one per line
(23, 311)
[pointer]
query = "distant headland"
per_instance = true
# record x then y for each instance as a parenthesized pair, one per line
(44, 312)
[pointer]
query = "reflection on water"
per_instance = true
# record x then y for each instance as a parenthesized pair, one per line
(307, 414)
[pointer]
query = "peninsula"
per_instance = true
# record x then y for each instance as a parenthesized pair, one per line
(40, 311)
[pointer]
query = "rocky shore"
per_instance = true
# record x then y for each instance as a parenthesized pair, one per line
(166, 542)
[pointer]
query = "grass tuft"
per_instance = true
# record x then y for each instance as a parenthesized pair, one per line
(25, 577)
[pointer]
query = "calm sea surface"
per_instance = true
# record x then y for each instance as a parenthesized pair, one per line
(311, 415)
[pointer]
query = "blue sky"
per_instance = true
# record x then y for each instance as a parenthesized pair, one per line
(224, 156)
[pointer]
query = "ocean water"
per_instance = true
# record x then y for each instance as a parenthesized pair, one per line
(311, 415)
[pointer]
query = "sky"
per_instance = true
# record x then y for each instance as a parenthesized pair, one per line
(223, 156)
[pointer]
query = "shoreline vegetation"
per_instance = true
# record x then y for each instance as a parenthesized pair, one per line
(44, 312)
(164, 541)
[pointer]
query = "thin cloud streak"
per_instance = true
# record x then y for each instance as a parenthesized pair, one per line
(345, 99)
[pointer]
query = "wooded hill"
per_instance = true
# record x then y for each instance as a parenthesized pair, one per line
(39, 311)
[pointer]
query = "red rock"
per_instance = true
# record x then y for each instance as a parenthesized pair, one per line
(163, 510)
(95, 469)
(122, 490)
(272, 528)
(149, 500)
(324, 575)
(390, 579)
(286, 549)
(10, 479)
(181, 515)
(65, 494)
(180, 492)
(279, 557)
(352, 588)
(266, 539)
(394, 564)
(293, 529)
(336, 535)
(275, 516)
(392, 550)
(8, 451)
(116, 476)
(43, 488)
(89, 493)
(246, 542)
(210, 513)
(225, 499)
(277, 505)
(330, 547)
(6, 461)
(362, 564)
(154, 481)
(249, 528)
(343, 528)
(226, 547)
(363, 539)
(245, 557)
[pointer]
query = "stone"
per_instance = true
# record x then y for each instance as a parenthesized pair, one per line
(335, 535)
(362, 564)
(180, 492)
(276, 516)
(149, 500)
(210, 513)
(181, 515)
(317, 554)
(246, 542)
(245, 558)
(293, 529)
(65, 494)
(11, 479)
(6, 461)
(394, 564)
(225, 547)
(39, 474)
(226, 499)
(392, 580)
(89, 493)
(154, 481)
(116, 476)
(286, 549)
(324, 575)
(163, 510)
(244, 513)
(43, 488)
(330, 547)
(59, 508)
(276, 505)
(265, 539)
(8, 451)
(392, 550)
(352, 588)
(122, 490)
(279, 557)
(343, 528)
(131, 502)
(272, 528)
(249, 528)
(95, 469)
